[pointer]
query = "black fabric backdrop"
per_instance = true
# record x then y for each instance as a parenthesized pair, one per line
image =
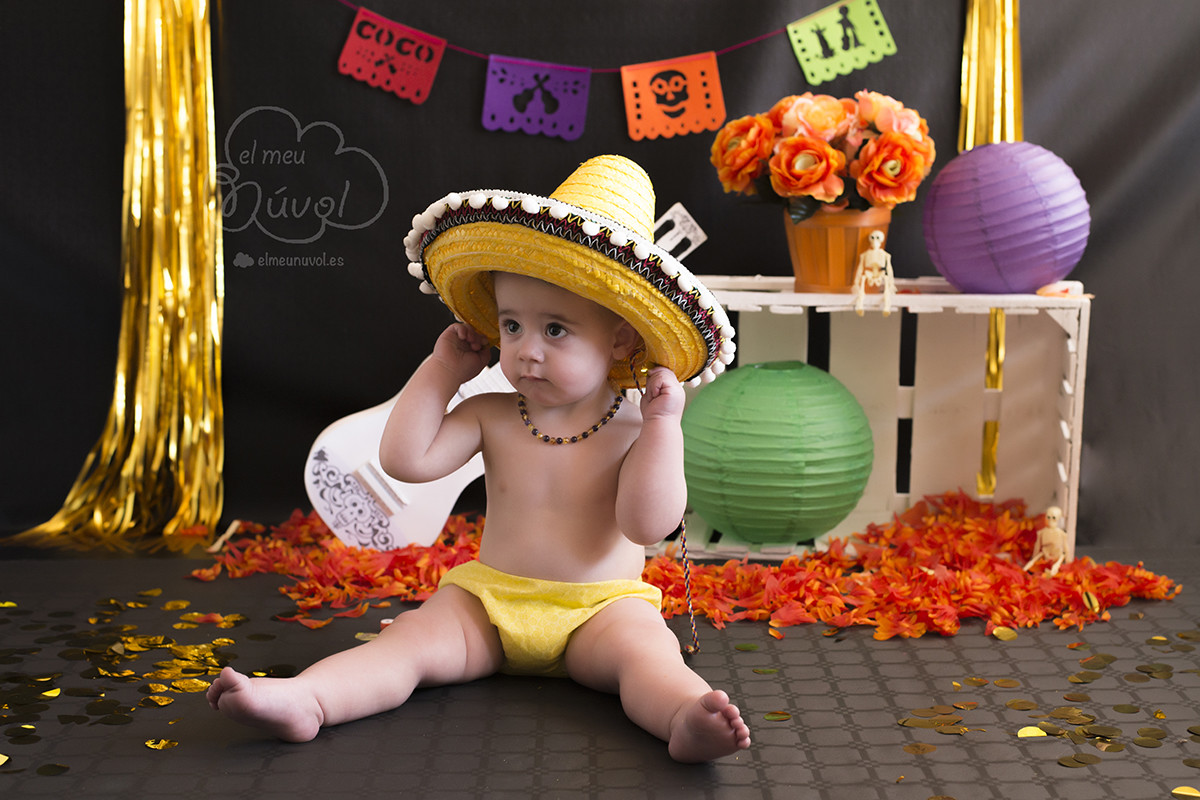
(1112, 87)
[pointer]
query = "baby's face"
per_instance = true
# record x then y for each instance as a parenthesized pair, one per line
(555, 346)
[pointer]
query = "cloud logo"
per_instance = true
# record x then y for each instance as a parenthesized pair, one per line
(242, 260)
(294, 181)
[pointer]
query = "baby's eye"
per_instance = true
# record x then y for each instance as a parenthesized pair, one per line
(554, 330)
(510, 326)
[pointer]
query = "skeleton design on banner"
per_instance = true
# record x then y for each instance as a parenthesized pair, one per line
(673, 97)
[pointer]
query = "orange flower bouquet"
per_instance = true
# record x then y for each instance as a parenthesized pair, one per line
(811, 151)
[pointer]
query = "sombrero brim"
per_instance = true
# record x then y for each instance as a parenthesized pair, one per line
(460, 240)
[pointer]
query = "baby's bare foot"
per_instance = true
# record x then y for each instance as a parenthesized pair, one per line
(267, 703)
(708, 728)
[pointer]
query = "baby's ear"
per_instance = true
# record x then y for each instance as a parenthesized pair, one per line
(625, 342)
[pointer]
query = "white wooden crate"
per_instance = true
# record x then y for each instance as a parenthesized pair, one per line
(1039, 408)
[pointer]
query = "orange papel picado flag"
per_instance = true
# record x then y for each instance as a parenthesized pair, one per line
(673, 97)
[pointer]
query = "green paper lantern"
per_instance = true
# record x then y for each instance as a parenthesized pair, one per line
(776, 453)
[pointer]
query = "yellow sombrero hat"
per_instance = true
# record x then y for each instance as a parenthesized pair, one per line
(594, 236)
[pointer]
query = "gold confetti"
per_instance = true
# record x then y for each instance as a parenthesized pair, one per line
(1004, 634)
(1194, 763)
(150, 593)
(919, 748)
(7, 604)
(1007, 683)
(1098, 661)
(161, 744)
(51, 693)
(1077, 697)
(176, 605)
(1185, 791)
(952, 730)
(1147, 741)
(190, 685)
(777, 716)
(1109, 747)
(1194, 729)
(3, 758)
(1021, 705)
(1150, 669)
(51, 770)
(967, 706)
(1071, 761)
(1091, 602)
(1086, 676)
(366, 636)
(1153, 733)
(1030, 732)
(1079, 646)
(1126, 708)
(1088, 758)
(1136, 677)
(1105, 731)
(765, 671)
(1158, 714)
(1158, 640)
(156, 700)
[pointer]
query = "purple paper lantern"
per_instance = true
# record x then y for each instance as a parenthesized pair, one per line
(1006, 218)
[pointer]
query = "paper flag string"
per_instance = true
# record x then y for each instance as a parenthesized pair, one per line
(535, 97)
(839, 39)
(391, 56)
(676, 96)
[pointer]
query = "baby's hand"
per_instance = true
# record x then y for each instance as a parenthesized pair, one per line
(664, 396)
(462, 351)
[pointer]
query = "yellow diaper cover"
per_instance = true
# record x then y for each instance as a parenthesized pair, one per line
(536, 618)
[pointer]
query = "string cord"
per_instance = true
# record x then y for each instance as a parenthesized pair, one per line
(694, 647)
(476, 54)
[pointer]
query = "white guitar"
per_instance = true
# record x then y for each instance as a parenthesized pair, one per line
(365, 507)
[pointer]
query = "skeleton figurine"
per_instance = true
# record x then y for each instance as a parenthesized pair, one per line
(874, 269)
(1051, 542)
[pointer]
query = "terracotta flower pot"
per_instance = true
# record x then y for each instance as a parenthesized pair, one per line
(825, 247)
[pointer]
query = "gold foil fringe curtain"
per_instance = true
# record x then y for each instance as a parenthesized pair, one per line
(991, 112)
(155, 473)
(991, 74)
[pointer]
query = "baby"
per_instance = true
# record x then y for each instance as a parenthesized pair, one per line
(581, 305)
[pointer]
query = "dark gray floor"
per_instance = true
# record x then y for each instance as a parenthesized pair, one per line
(521, 737)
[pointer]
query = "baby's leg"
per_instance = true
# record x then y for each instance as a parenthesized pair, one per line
(449, 639)
(627, 648)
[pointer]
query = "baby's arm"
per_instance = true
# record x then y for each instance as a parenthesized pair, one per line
(421, 442)
(652, 494)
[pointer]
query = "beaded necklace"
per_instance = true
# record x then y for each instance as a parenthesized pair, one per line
(547, 438)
